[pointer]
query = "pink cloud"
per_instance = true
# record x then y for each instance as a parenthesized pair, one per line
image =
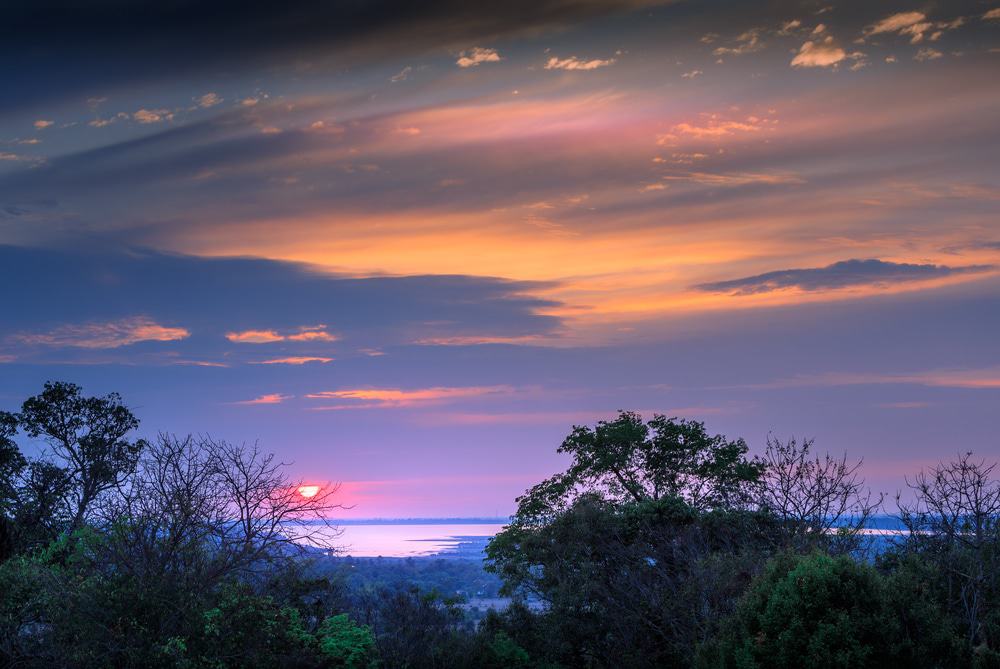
(736, 179)
(970, 379)
(371, 398)
(271, 398)
(295, 360)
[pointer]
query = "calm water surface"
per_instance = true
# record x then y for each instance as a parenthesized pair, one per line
(412, 540)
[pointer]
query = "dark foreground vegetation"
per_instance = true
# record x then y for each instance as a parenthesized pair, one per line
(660, 546)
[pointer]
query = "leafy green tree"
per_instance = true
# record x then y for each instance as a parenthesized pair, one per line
(247, 630)
(929, 637)
(12, 464)
(345, 643)
(641, 545)
(415, 629)
(815, 611)
(87, 437)
(627, 460)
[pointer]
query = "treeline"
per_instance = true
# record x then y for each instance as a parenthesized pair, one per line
(660, 546)
(454, 576)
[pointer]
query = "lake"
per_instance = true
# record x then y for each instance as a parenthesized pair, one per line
(451, 539)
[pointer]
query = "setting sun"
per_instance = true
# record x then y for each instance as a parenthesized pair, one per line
(308, 490)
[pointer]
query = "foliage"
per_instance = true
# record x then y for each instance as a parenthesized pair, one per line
(87, 436)
(345, 643)
(954, 522)
(816, 611)
(627, 461)
(660, 545)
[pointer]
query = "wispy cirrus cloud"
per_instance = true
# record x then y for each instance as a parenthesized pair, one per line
(966, 379)
(270, 398)
(476, 340)
(911, 23)
(715, 127)
(295, 360)
(736, 179)
(112, 334)
(844, 274)
(372, 398)
(747, 42)
(914, 25)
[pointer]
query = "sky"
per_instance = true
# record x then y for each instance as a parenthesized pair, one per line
(407, 246)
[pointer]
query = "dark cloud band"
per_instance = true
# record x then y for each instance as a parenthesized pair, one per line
(842, 274)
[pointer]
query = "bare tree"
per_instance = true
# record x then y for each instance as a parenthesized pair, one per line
(819, 499)
(954, 520)
(210, 510)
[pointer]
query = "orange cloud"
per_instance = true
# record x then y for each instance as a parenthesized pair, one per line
(476, 56)
(311, 335)
(113, 334)
(902, 21)
(715, 128)
(364, 398)
(305, 333)
(642, 266)
(254, 337)
(821, 53)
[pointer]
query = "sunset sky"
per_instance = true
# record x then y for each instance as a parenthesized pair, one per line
(408, 245)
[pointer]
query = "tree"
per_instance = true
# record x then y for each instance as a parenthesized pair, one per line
(641, 545)
(815, 611)
(627, 460)
(414, 629)
(954, 522)
(201, 511)
(346, 644)
(12, 464)
(87, 441)
(821, 502)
